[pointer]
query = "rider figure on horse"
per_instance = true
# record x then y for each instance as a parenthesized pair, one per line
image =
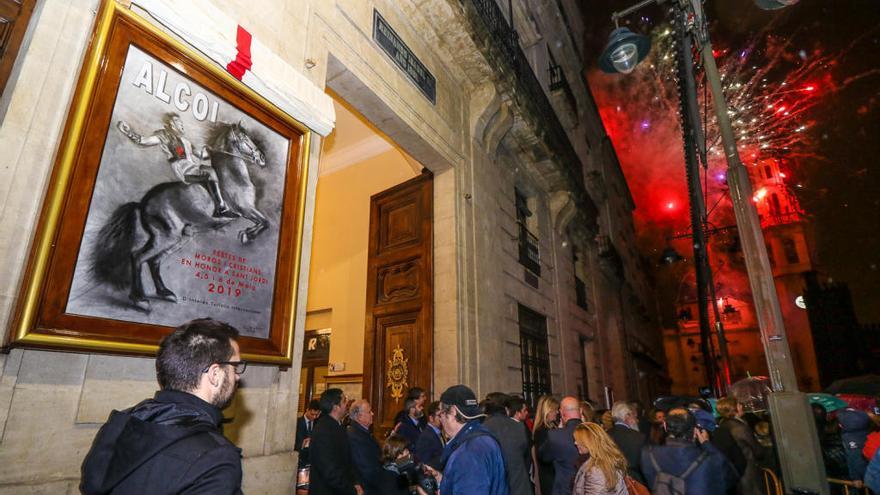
(183, 159)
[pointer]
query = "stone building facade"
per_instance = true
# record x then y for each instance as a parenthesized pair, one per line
(537, 286)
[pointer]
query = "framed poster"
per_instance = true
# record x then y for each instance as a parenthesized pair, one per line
(178, 193)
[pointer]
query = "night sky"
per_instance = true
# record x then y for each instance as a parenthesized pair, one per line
(836, 165)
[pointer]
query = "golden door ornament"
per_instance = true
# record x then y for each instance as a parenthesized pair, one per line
(397, 373)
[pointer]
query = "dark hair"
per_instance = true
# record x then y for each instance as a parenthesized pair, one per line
(329, 399)
(191, 348)
(394, 446)
(415, 393)
(314, 405)
(432, 409)
(515, 405)
(680, 424)
(496, 402)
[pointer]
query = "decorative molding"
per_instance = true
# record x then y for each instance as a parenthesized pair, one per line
(398, 282)
(397, 373)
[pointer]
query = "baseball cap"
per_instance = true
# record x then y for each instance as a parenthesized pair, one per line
(464, 399)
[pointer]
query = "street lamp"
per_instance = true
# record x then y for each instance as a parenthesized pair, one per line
(794, 429)
(624, 51)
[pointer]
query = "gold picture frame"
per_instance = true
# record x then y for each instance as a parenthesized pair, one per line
(240, 265)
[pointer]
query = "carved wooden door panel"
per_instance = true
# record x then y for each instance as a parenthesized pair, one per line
(399, 336)
(14, 17)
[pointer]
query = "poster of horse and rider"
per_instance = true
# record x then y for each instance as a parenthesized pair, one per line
(190, 206)
(182, 214)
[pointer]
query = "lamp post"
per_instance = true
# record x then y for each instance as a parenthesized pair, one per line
(794, 429)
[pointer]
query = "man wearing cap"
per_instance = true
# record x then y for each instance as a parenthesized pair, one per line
(471, 461)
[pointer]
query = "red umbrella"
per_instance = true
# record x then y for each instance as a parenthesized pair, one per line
(865, 403)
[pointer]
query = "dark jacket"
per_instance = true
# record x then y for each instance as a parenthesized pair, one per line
(392, 481)
(630, 443)
(429, 447)
(514, 441)
(714, 476)
(872, 473)
(169, 444)
(332, 472)
(561, 451)
(854, 428)
(472, 463)
(726, 444)
(546, 473)
(750, 480)
(410, 431)
(302, 433)
(365, 454)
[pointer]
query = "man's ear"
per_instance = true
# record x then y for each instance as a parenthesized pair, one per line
(215, 375)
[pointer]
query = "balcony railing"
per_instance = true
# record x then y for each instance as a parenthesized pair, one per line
(491, 28)
(780, 219)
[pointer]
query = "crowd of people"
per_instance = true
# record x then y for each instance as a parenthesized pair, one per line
(459, 445)
(497, 446)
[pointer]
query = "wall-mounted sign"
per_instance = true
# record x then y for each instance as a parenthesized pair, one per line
(403, 57)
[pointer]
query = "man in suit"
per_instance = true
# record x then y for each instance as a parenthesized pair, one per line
(518, 410)
(559, 448)
(429, 446)
(304, 426)
(410, 427)
(365, 451)
(626, 435)
(332, 472)
(514, 444)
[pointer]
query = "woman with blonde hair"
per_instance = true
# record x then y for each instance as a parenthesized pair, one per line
(605, 471)
(546, 416)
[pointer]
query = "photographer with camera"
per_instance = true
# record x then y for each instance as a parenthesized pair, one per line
(688, 463)
(400, 474)
(471, 461)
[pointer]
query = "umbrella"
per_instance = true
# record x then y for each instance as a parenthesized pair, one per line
(827, 401)
(862, 385)
(861, 402)
(752, 393)
(668, 402)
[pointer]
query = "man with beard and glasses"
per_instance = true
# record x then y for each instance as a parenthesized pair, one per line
(173, 443)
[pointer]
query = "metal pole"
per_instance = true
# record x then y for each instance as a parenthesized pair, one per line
(794, 430)
(688, 100)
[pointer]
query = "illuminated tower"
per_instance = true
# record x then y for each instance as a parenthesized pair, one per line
(789, 236)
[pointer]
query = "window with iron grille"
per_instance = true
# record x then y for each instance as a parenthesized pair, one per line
(535, 355)
(580, 287)
(529, 252)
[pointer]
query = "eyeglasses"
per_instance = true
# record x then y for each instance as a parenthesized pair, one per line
(240, 366)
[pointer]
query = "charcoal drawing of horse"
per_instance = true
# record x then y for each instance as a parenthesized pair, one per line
(171, 213)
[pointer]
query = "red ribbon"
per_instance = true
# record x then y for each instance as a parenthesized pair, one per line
(242, 62)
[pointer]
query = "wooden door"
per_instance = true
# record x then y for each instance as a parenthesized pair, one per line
(399, 336)
(14, 18)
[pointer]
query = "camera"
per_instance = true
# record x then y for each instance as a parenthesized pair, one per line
(416, 476)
